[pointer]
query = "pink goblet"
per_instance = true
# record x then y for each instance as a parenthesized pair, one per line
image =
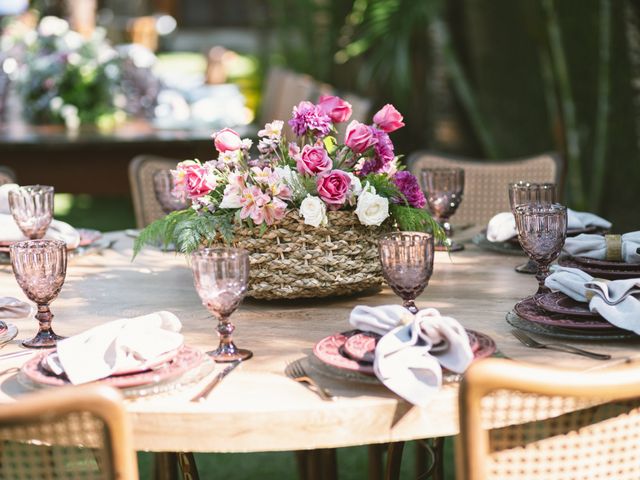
(221, 277)
(40, 267)
(32, 209)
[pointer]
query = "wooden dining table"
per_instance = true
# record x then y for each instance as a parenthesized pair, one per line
(257, 407)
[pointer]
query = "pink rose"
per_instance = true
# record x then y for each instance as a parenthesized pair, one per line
(359, 137)
(314, 160)
(336, 108)
(226, 140)
(197, 180)
(388, 118)
(333, 188)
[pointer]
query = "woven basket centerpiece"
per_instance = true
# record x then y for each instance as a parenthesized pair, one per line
(295, 260)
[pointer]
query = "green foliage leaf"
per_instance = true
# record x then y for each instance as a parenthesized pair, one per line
(416, 220)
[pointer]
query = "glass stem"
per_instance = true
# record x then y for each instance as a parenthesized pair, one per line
(44, 317)
(411, 306)
(225, 330)
(541, 274)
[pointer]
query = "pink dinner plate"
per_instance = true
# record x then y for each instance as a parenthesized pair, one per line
(558, 302)
(529, 310)
(186, 359)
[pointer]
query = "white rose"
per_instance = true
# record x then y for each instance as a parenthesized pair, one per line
(231, 198)
(372, 209)
(314, 211)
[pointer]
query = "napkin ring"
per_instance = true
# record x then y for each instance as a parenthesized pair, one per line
(614, 248)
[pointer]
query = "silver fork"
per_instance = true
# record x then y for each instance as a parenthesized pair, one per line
(561, 347)
(295, 371)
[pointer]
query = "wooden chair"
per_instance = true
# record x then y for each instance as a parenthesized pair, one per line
(6, 175)
(520, 421)
(68, 433)
(141, 170)
(485, 191)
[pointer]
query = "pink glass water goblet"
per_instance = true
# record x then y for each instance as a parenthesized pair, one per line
(221, 278)
(542, 231)
(444, 189)
(32, 209)
(523, 193)
(167, 197)
(407, 264)
(40, 267)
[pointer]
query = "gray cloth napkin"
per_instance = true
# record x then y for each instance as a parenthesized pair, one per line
(13, 308)
(413, 349)
(595, 246)
(618, 301)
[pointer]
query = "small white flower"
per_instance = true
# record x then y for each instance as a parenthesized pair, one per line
(356, 184)
(286, 174)
(314, 211)
(368, 188)
(272, 130)
(231, 198)
(246, 143)
(372, 209)
(53, 26)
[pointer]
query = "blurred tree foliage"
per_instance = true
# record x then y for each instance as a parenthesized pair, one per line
(490, 79)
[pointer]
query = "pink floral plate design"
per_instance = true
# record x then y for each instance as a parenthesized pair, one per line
(529, 310)
(330, 350)
(607, 264)
(600, 272)
(558, 302)
(186, 359)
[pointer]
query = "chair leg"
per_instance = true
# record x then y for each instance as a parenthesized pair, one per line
(188, 466)
(317, 464)
(375, 454)
(302, 460)
(165, 466)
(434, 449)
(394, 460)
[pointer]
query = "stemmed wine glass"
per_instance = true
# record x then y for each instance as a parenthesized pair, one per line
(221, 277)
(40, 267)
(168, 199)
(407, 264)
(523, 193)
(32, 209)
(542, 231)
(443, 188)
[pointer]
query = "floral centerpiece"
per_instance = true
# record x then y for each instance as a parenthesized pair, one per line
(308, 211)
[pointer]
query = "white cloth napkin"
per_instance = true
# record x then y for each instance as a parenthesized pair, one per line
(595, 246)
(405, 360)
(9, 231)
(13, 308)
(117, 346)
(502, 226)
(618, 301)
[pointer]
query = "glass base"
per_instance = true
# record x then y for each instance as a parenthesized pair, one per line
(220, 356)
(455, 247)
(529, 268)
(43, 340)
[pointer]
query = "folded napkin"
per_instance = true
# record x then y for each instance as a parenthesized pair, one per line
(502, 226)
(624, 248)
(117, 347)
(406, 361)
(13, 308)
(618, 301)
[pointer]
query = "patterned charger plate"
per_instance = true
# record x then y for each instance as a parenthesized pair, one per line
(529, 310)
(558, 302)
(600, 272)
(568, 334)
(607, 264)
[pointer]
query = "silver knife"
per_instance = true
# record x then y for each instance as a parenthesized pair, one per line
(202, 395)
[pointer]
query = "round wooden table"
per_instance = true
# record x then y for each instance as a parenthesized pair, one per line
(257, 407)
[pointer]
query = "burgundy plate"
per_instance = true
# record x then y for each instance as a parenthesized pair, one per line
(600, 272)
(187, 358)
(529, 310)
(607, 264)
(558, 302)
(361, 346)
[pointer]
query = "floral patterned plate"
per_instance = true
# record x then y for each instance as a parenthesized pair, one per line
(558, 302)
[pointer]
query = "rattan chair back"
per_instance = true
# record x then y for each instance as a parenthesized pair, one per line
(6, 175)
(521, 421)
(67, 434)
(485, 190)
(145, 204)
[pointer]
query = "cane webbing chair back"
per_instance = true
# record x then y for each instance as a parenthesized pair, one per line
(6, 175)
(145, 204)
(485, 189)
(529, 422)
(71, 433)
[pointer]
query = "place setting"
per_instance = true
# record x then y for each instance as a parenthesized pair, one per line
(410, 351)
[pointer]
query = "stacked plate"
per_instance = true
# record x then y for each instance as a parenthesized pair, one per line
(180, 367)
(557, 315)
(603, 268)
(350, 355)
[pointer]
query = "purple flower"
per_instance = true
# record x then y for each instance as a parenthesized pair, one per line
(384, 153)
(308, 118)
(407, 183)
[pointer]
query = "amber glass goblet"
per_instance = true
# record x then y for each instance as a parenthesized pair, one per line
(523, 193)
(443, 189)
(542, 231)
(407, 264)
(221, 277)
(40, 267)
(168, 199)
(32, 209)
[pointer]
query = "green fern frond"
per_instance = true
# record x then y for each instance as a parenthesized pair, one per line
(161, 232)
(416, 220)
